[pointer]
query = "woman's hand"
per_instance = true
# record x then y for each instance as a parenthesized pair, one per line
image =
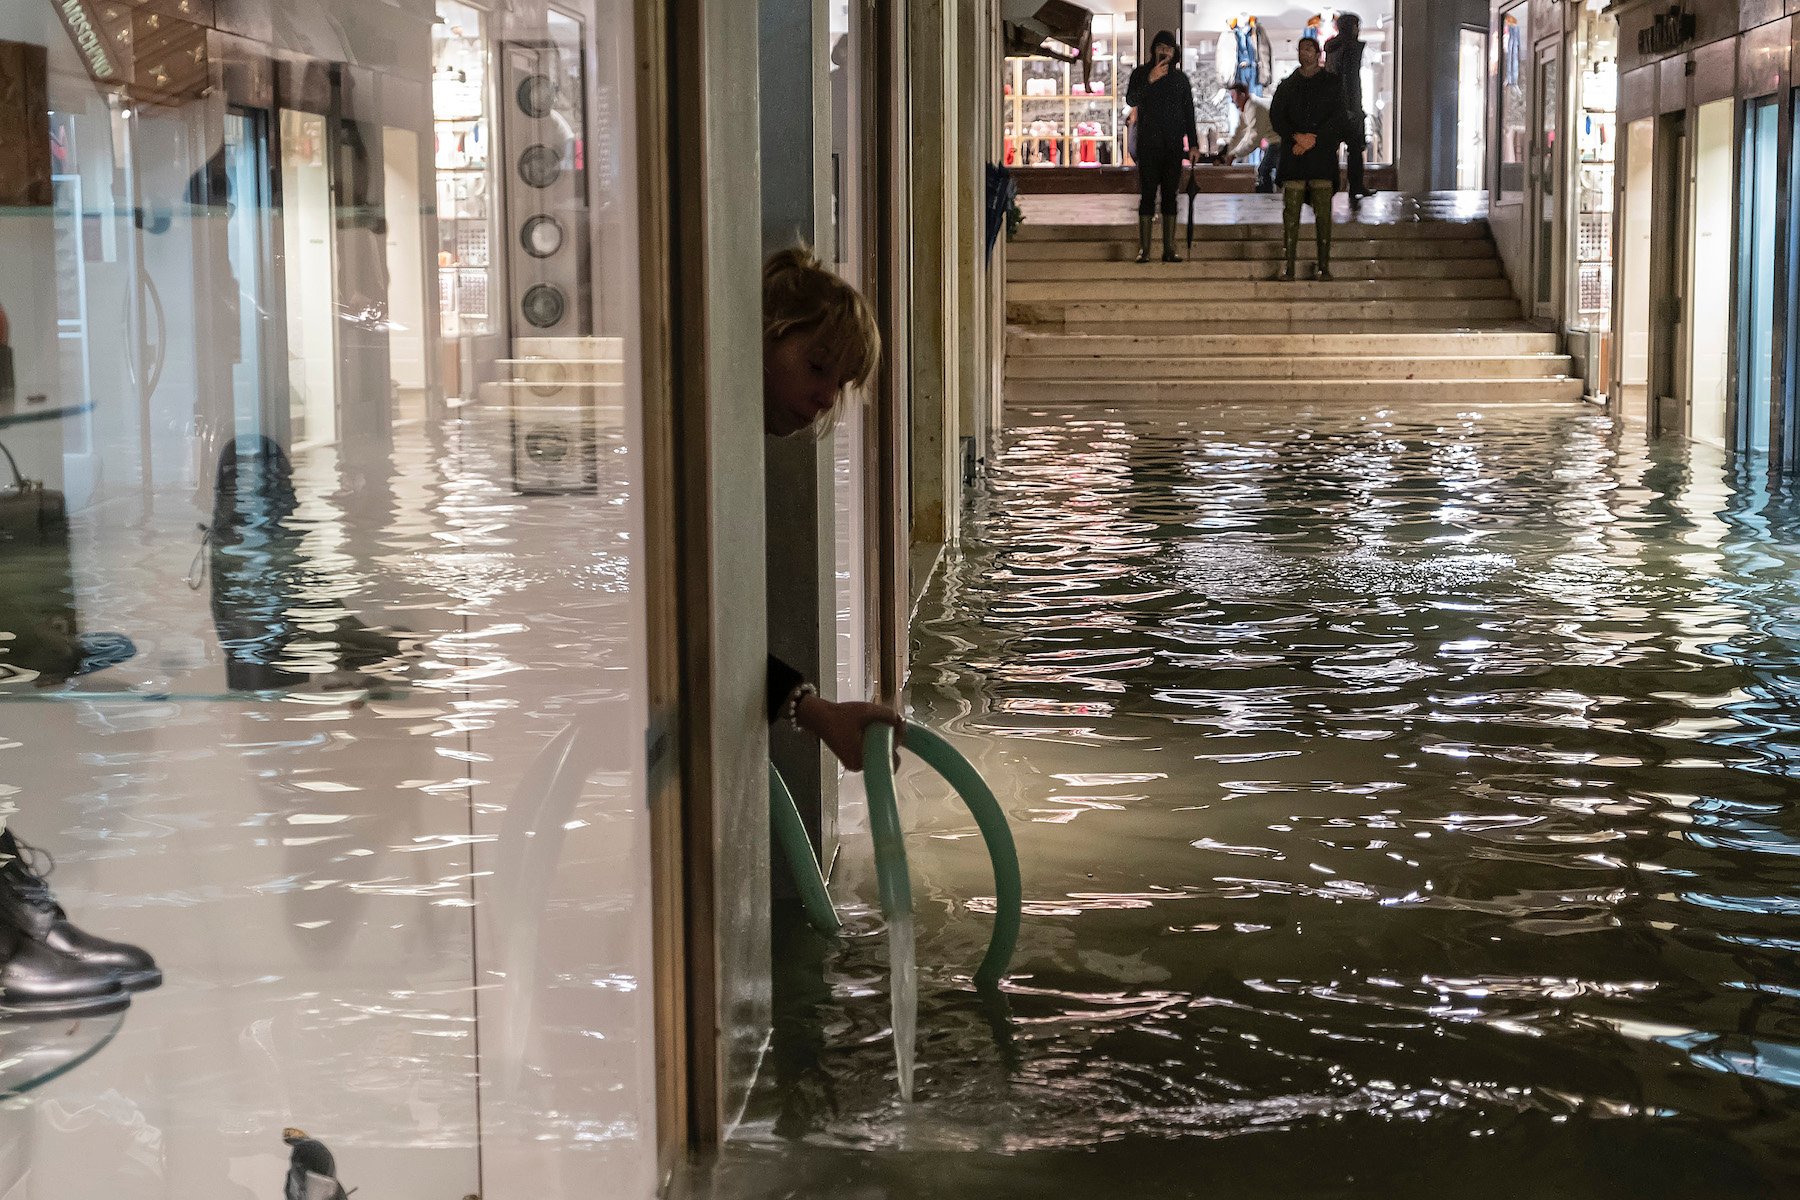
(841, 726)
(1158, 71)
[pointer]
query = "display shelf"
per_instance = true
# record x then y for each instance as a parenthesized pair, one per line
(1047, 130)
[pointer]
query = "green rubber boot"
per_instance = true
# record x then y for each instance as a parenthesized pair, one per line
(1144, 239)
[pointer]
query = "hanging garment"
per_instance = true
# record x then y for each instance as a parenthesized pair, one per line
(1511, 52)
(1246, 55)
(1312, 31)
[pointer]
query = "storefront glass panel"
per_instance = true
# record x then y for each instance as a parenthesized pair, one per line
(1711, 199)
(849, 445)
(1471, 110)
(322, 626)
(1596, 146)
(1512, 69)
(1636, 227)
(1757, 217)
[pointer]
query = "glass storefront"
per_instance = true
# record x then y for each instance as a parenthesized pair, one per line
(1757, 216)
(1513, 68)
(1711, 200)
(1471, 110)
(1596, 152)
(322, 630)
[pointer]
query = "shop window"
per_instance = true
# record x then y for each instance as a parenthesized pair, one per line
(1471, 110)
(322, 626)
(1596, 144)
(1512, 76)
(1709, 300)
(1757, 217)
(1636, 231)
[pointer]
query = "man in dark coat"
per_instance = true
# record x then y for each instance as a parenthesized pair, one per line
(1308, 113)
(1166, 130)
(1344, 58)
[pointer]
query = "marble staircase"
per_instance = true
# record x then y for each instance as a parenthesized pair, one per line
(1418, 310)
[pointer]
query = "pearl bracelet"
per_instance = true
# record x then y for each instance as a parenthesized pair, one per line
(791, 711)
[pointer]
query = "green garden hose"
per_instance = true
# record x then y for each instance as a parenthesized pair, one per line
(890, 859)
(796, 847)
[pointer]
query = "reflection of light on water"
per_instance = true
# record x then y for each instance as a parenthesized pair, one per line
(1498, 708)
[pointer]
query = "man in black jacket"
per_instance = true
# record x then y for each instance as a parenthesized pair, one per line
(1164, 100)
(1308, 113)
(1344, 58)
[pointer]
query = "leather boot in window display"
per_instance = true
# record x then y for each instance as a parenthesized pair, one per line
(28, 904)
(312, 1170)
(38, 984)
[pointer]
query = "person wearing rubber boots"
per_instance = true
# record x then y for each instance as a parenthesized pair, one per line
(1308, 112)
(819, 338)
(1166, 131)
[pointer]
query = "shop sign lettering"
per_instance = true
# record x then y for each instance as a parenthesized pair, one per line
(84, 31)
(1669, 31)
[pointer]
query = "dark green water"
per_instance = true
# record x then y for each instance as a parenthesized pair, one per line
(1407, 807)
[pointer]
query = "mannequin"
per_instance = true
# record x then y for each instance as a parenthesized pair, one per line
(1246, 55)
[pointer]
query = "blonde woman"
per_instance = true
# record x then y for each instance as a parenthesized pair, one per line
(819, 338)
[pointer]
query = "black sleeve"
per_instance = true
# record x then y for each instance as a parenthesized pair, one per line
(783, 679)
(1337, 127)
(1134, 90)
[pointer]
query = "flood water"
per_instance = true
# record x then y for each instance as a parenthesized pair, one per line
(1406, 806)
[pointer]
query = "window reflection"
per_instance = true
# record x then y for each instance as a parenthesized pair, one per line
(320, 634)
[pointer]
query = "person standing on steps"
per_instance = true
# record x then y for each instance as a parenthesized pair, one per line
(1308, 113)
(1255, 130)
(1344, 58)
(1166, 131)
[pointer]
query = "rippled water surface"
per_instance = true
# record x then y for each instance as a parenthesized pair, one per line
(1406, 804)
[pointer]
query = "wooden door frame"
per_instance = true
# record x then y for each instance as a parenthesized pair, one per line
(887, 93)
(683, 929)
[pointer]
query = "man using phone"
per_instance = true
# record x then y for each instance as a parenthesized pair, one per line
(1166, 131)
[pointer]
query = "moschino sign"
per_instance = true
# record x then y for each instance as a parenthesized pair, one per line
(1668, 31)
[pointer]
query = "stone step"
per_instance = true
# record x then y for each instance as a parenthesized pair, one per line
(1291, 391)
(1250, 231)
(1211, 341)
(1342, 246)
(1301, 293)
(1123, 314)
(1474, 267)
(1289, 365)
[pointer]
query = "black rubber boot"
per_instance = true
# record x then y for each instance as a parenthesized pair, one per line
(1144, 239)
(27, 903)
(1292, 200)
(1169, 255)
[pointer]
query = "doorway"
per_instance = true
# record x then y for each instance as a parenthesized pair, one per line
(1756, 274)
(404, 201)
(308, 275)
(1636, 223)
(1709, 306)
(1546, 173)
(1668, 351)
(1471, 110)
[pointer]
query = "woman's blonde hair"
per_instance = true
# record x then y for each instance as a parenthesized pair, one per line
(801, 296)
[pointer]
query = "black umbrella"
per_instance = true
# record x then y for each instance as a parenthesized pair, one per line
(1193, 195)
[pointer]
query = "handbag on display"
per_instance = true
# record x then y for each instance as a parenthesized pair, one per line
(29, 510)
